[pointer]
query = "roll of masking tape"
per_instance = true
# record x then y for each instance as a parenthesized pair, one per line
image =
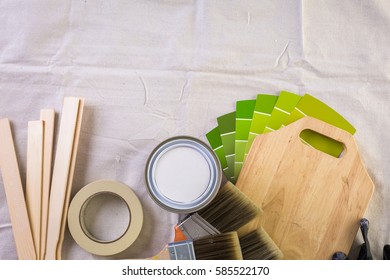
(79, 230)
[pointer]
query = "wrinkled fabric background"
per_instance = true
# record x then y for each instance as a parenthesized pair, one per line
(149, 70)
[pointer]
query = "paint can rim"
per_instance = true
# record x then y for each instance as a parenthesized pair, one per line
(210, 191)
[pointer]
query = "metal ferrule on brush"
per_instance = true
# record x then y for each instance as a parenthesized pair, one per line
(195, 227)
(182, 250)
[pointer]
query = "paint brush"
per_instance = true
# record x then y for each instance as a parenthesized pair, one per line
(228, 211)
(258, 245)
(225, 246)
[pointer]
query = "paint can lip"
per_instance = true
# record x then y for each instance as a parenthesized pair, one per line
(213, 164)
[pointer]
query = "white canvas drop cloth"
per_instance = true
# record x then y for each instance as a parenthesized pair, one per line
(149, 70)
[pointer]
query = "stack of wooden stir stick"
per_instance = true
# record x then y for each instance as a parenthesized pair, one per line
(39, 217)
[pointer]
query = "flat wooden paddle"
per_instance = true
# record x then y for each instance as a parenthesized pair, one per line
(312, 202)
(62, 175)
(34, 181)
(15, 196)
(48, 117)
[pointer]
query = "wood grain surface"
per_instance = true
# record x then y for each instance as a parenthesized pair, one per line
(15, 196)
(34, 181)
(312, 201)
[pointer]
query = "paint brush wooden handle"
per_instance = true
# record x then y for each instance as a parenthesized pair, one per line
(179, 234)
(162, 255)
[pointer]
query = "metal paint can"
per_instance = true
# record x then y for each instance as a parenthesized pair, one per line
(183, 174)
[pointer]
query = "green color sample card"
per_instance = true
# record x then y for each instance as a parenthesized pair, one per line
(282, 110)
(244, 114)
(264, 106)
(310, 106)
(227, 130)
(215, 142)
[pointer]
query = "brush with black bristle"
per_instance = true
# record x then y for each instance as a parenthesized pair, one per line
(258, 245)
(228, 211)
(224, 246)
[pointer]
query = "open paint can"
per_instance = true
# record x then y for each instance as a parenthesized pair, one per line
(183, 174)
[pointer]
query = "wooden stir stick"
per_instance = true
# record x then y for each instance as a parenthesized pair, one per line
(62, 173)
(14, 193)
(70, 178)
(34, 180)
(48, 116)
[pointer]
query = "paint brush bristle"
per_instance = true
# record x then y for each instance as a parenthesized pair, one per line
(258, 245)
(230, 209)
(225, 246)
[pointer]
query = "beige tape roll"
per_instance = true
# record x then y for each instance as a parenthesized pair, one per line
(77, 226)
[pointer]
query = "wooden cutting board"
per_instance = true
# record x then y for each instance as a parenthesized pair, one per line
(312, 202)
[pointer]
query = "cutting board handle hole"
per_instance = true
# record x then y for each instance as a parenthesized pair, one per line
(323, 143)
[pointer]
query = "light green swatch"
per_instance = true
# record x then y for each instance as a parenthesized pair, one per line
(282, 110)
(215, 142)
(227, 130)
(264, 106)
(310, 106)
(244, 114)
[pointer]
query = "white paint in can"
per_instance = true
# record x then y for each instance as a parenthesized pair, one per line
(182, 174)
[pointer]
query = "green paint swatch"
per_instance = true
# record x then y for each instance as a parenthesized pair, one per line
(215, 142)
(264, 106)
(282, 110)
(232, 139)
(227, 130)
(310, 106)
(244, 114)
